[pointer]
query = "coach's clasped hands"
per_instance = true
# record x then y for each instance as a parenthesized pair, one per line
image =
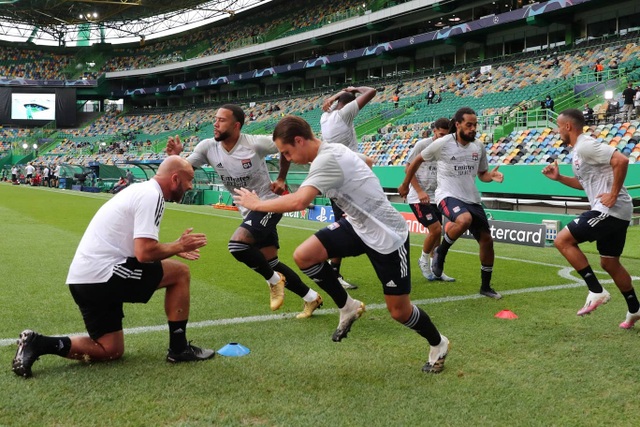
(191, 243)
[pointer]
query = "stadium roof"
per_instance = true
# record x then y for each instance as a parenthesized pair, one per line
(64, 22)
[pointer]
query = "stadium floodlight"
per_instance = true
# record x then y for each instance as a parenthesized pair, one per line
(608, 95)
(35, 146)
(25, 145)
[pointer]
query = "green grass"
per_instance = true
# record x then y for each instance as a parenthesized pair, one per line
(549, 367)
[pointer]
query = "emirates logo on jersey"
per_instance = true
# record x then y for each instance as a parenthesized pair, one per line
(474, 156)
(246, 164)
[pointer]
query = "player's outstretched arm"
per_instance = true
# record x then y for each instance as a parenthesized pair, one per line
(552, 171)
(493, 175)
(297, 201)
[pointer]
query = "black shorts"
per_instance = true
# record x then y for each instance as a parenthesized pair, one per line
(426, 214)
(337, 212)
(262, 226)
(101, 303)
(610, 233)
(452, 208)
(393, 269)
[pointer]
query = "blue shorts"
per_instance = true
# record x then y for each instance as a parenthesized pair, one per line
(262, 226)
(453, 208)
(393, 269)
(609, 233)
(426, 214)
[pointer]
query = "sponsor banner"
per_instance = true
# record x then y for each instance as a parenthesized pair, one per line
(413, 224)
(517, 233)
(321, 214)
(297, 214)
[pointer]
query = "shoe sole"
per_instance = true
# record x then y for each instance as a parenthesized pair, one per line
(17, 365)
(339, 334)
(629, 325)
(437, 367)
(593, 307)
(495, 296)
(171, 360)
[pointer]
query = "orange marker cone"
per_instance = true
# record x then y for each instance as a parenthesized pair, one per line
(506, 314)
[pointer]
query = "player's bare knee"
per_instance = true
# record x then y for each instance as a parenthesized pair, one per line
(464, 221)
(185, 271)
(302, 259)
(399, 314)
(609, 264)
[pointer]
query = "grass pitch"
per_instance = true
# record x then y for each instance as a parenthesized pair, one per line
(549, 367)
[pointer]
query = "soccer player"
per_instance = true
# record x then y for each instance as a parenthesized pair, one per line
(118, 260)
(371, 226)
(422, 200)
(336, 125)
(239, 160)
(460, 158)
(600, 171)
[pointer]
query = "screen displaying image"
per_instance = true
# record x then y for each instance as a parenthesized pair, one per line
(33, 106)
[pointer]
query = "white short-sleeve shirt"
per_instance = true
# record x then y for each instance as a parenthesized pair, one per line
(243, 166)
(337, 126)
(343, 176)
(135, 212)
(592, 166)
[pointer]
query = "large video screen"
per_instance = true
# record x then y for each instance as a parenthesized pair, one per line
(33, 106)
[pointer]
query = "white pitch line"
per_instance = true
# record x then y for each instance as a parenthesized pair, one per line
(265, 318)
(565, 272)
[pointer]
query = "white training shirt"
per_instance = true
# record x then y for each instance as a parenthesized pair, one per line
(458, 166)
(343, 176)
(426, 174)
(592, 166)
(135, 212)
(337, 126)
(243, 166)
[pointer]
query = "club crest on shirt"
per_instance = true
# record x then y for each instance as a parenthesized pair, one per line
(246, 164)
(474, 156)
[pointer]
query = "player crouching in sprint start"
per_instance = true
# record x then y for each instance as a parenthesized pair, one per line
(372, 227)
(118, 260)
